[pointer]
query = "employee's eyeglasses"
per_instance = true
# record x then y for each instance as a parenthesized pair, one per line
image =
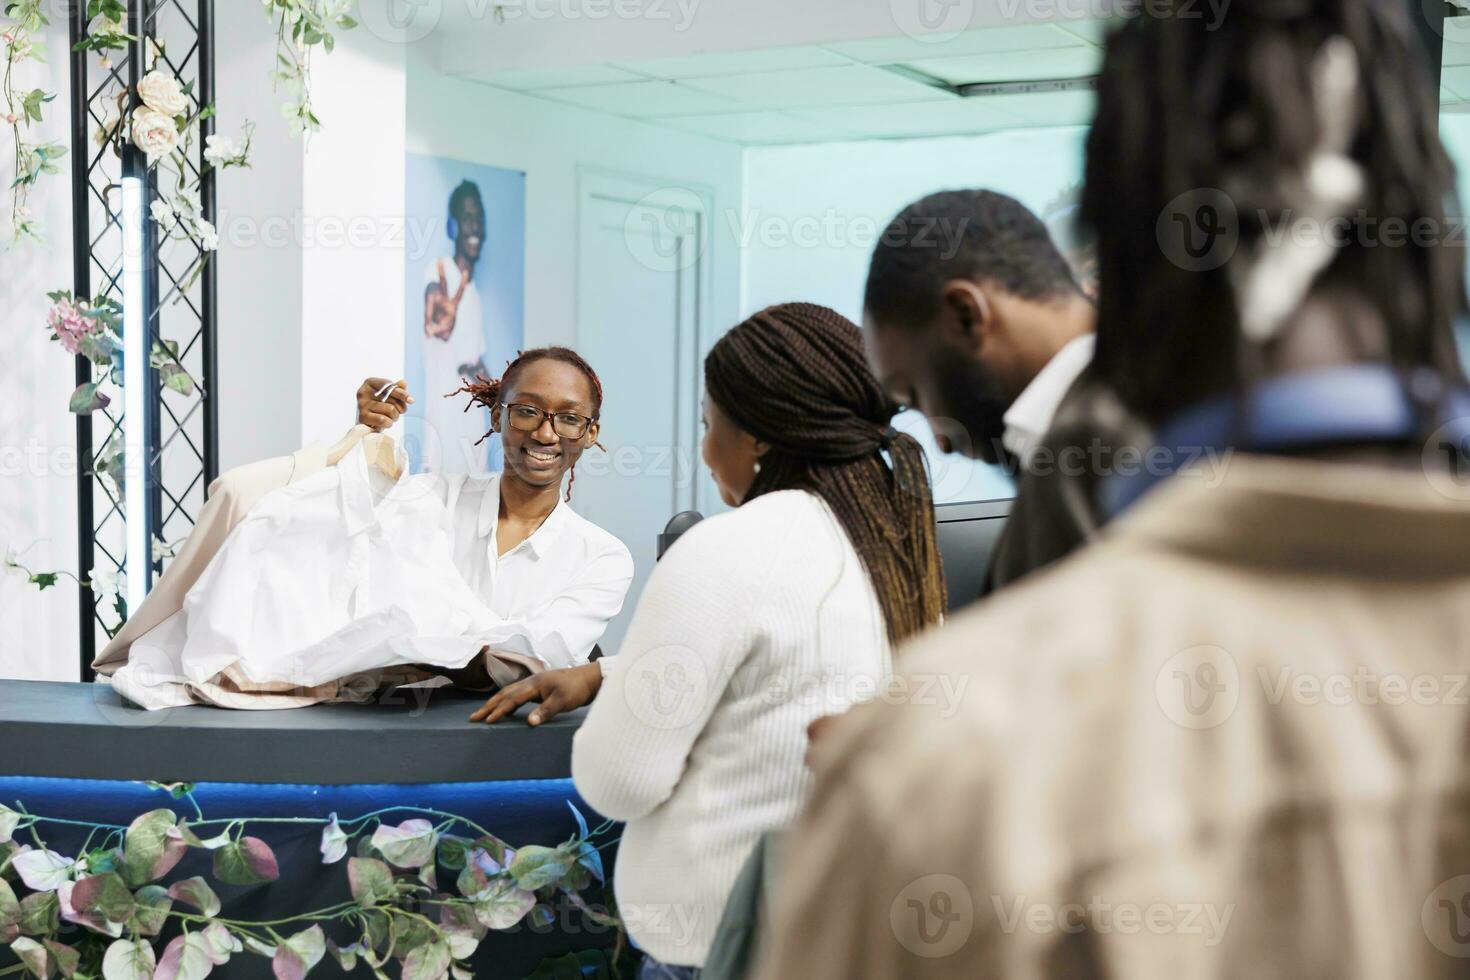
(528, 418)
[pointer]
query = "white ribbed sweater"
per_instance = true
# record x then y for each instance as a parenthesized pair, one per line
(755, 623)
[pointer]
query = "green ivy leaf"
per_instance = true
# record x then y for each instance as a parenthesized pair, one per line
(9, 820)
(371, 881)
(409, 845)
(248, 861)
(40, 914)
(151, 905)
(536, 867)
(186, 958)
(9, 914)
(35, 957)
(44, 580)
(297, 955)
(196, 892)
(428, 962)
(86, 399)
(453, 851)
(503, 904)
(149, 851)
(65, 958)
(127, 959)
(105, 896)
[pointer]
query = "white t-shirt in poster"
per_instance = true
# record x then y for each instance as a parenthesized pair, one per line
(452, 432)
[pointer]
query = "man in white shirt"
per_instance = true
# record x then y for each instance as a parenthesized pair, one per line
(973, 317)
(454, 340)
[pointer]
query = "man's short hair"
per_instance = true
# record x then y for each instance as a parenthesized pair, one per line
(974, 234)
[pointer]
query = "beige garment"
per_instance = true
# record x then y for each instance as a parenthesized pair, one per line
(1227, 741)
(230, 498)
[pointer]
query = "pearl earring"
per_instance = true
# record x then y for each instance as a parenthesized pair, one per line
(757, 467)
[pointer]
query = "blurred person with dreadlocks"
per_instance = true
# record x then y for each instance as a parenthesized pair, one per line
(1227, 740)
(754, 624)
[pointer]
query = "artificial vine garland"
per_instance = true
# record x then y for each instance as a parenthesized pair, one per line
(103, 912)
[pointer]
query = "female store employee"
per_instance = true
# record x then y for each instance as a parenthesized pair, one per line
(754, 624)
(555, 578)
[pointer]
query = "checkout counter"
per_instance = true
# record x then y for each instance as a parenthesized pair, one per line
(78, 752)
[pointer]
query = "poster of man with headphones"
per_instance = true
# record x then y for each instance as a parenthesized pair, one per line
(465, 303)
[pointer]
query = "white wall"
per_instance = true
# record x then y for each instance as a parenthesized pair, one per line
(38, 465)
(259, 259)
(813, 214)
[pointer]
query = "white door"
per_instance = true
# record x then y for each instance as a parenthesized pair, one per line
(641, 288)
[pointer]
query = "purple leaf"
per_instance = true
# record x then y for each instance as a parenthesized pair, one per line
(299, 954)
(409, 845)
(42, 871)
(128, 960)
(185, 959)
(371, 881)
(334, 842)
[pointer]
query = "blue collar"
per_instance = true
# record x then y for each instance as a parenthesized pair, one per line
(1360, 404)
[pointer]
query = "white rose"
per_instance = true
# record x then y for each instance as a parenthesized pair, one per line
(106, 583)
(162, 213)
(160, 92)
(154, 133)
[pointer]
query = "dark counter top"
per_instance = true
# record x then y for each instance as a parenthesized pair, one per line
(85, 731)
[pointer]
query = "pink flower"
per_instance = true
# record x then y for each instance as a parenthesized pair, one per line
(70, 325)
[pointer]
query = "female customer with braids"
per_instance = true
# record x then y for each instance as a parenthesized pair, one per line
(756, 623)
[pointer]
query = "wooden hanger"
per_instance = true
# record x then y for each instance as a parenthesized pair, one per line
(377, 447)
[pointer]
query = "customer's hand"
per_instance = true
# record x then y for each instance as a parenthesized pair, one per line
(380, 414)
(557, 690)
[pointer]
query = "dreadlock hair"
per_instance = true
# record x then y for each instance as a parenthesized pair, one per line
(1185, 105)
(487, 391)
(795, 376)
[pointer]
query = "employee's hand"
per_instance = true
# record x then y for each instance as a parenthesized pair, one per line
(379, 415)
(557, 690)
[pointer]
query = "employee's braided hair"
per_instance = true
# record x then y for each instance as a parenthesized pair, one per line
(1185, 104)
(486, 391)
(795, 376)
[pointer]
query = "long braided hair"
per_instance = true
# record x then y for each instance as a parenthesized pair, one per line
(795, 376)
(1185, 105)
(487, 391)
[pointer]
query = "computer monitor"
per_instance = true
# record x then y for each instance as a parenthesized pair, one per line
(967, 536)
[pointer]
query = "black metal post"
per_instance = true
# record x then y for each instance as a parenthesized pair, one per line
(208, 284)
(1428, 17)
(82, 286)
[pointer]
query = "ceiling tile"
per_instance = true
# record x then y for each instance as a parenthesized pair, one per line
(642, 100)
(736, 62)
(951, 118)
(811, 87)
(755, 128)
(887, 50)
(1457, 80)
(1014, 66)
(531, 79)
(1045, 108)
(1091, 31)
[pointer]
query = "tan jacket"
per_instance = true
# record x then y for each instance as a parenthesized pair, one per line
(1230, 740)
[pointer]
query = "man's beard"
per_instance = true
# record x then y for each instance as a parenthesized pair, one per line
(974, 408)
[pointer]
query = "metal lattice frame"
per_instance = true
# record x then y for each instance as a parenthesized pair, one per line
(181, 430)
